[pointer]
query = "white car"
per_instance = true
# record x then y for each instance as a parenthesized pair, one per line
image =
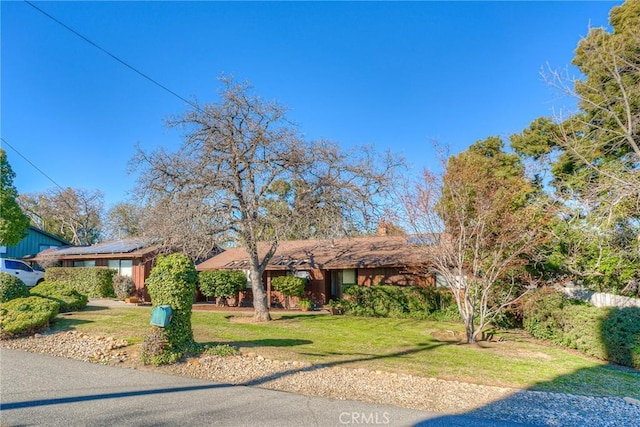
(22, 271)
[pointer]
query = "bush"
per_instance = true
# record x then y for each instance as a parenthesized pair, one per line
(289, 286)
(609, 333)
(221, 350)
(542, 313)
(396, 301)
(65, 295)
(95, 282)
(11, 287)
(123, 286)
(171, 282)
(26, 315)
(621, 335)
(222, 284)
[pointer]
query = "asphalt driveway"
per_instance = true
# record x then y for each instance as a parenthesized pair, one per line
(44, 390)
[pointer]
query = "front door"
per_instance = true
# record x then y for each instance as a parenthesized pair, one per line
(336, 284)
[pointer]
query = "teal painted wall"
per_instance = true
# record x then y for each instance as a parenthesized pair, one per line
(35, 242)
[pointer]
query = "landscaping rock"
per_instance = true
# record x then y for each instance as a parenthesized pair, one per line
(409, 391)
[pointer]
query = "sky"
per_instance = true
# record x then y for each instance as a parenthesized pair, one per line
(395, 75)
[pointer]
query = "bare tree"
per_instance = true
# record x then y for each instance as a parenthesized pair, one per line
(478, 229)
(74, 214)
(123, 220)
(225, 182)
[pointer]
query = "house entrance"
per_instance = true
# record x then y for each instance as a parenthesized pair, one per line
(336, 284)
(340, 279)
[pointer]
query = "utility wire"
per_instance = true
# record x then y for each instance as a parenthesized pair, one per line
(31, 163)
(132, 68)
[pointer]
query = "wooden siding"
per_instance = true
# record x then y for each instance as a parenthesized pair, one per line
(318, 287)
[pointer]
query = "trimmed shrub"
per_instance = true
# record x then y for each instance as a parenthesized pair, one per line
(22, 316)
(123, 286)
(289, 286)
(65, 295)
(621, 335)
(95, 282)
(222, 284)
(11, 287)
(171, 282)
(609, 333)
(396, 301)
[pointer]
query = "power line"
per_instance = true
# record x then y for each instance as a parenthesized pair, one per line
(31, 163)
(131, 67)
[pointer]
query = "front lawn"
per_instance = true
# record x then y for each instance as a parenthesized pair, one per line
(416, 347)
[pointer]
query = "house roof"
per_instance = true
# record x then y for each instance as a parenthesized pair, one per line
(124, 248)
(357, 252)
(50, 235)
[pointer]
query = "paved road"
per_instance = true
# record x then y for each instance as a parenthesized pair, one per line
(44, 390)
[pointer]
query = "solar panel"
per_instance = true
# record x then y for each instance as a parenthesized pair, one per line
(118, 246)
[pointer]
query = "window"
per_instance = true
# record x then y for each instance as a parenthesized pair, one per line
(124, 267)
(45, 247)
(17, 265)
(349, 276)
(87, 263)
(248, 274)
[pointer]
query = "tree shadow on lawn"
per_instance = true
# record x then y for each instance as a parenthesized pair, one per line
(90, 307)
(583, 399)
(64, 322)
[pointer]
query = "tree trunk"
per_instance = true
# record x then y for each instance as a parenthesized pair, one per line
(470, 328)
(261, 309)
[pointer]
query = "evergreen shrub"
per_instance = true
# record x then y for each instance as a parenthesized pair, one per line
(11, 287)
(23, 316)
(95, 282)
(171, 282)
(396, 301)
(221, 284)
(621, 335)
(64, 294)
(289, 286)
(608, 333)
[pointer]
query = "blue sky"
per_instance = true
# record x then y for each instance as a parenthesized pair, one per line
(393, 74)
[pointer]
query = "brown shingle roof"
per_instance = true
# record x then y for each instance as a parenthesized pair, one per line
(358, 252)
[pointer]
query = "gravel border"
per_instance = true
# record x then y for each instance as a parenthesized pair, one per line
(409, 391)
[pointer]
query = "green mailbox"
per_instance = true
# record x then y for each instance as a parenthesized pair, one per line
(161, 316)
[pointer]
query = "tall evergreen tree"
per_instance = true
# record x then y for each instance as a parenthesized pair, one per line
(594, 157)
(13, 222)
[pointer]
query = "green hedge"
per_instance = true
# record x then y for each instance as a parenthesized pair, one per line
(621, 336)
(26, 315)
(11, 287)
(171, 282)
(396, 301)
(608, 333)
(62, 293)
(95, 282)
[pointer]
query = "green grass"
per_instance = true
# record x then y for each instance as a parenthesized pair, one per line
(416, 347)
